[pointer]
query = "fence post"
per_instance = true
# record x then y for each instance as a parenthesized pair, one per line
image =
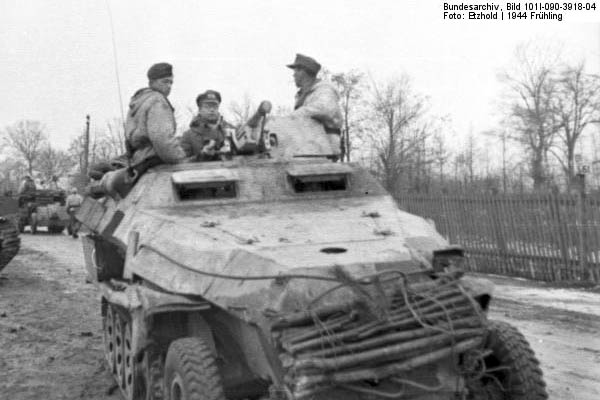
(581, 234)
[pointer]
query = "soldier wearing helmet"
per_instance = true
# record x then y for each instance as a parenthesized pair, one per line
(207, 133)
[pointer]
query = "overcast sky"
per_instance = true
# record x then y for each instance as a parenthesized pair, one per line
(58, 65)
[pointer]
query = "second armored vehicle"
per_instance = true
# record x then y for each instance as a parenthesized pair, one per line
(43, 208)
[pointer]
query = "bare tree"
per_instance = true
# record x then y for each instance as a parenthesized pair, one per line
(12, 172)
(76, 150)
(27, 138)
(465, 161)
(54, 163)
(109, 143)
(503, 136)
(349, 86)
(396, 128)
(239, 113)
(577, 106)
(440, 155)
(531, 111)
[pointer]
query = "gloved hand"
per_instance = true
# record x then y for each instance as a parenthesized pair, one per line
(209, 148)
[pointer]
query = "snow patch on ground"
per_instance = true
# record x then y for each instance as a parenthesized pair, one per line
(565, 299)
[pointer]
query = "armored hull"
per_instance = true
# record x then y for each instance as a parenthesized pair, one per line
(289, 278)
(42, 208)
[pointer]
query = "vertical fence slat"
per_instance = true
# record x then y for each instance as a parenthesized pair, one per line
(509, 228)
(512, 245)
(552, 238)
(536, 273)
(540, 239)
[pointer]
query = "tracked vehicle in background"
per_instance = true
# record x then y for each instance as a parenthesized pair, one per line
(9, 235)
(42, 208)
(284, 275)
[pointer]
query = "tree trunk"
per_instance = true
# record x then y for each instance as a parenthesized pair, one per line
(537, 171)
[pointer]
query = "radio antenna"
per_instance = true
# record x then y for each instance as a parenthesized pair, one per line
(114, 46)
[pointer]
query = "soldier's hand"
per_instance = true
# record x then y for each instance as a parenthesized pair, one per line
(209, 149)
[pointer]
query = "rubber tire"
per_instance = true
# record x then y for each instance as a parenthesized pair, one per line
(524, 379)
(9, 242)
(191, 362)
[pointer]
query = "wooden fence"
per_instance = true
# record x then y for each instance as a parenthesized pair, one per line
(544, 237)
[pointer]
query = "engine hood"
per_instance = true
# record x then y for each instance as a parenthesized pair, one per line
(230, 254)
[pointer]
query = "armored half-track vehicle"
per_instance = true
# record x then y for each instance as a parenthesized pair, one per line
(42, 208)
(9, 236)
(284, 275)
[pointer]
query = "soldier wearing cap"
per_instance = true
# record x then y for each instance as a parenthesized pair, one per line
(316, 99)
(150, 124)
(72, 204)
(206, 135)
(28, 185)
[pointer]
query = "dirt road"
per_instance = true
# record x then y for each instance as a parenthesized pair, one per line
(50, 329)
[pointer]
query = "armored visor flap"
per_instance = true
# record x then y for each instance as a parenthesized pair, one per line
(205, 184)
(319, 177)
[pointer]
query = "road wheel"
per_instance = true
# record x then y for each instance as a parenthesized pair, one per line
(108, 325)
(119, 350)
(129, 378)
(512, 370)
(191, 372)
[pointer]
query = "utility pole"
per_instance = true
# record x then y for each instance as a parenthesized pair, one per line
(86, 145)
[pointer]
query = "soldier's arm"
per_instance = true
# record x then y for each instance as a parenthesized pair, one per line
(321, 105)
(161, 132)
(186, 144)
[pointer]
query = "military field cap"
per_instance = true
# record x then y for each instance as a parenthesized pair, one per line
(308, 63)
(209, 96)
(160, 70)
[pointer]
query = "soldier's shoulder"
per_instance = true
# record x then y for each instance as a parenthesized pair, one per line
(325, 85)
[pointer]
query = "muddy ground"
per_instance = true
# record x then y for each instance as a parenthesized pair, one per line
(50, 328)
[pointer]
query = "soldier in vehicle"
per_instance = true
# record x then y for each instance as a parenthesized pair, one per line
(53, 183)
(207, 133)
(150, 125)
(315, 98)
(149, 136)
(28, 185)
(72, 204)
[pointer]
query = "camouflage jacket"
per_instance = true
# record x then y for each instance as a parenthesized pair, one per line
(320, 102)
(150, 128)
